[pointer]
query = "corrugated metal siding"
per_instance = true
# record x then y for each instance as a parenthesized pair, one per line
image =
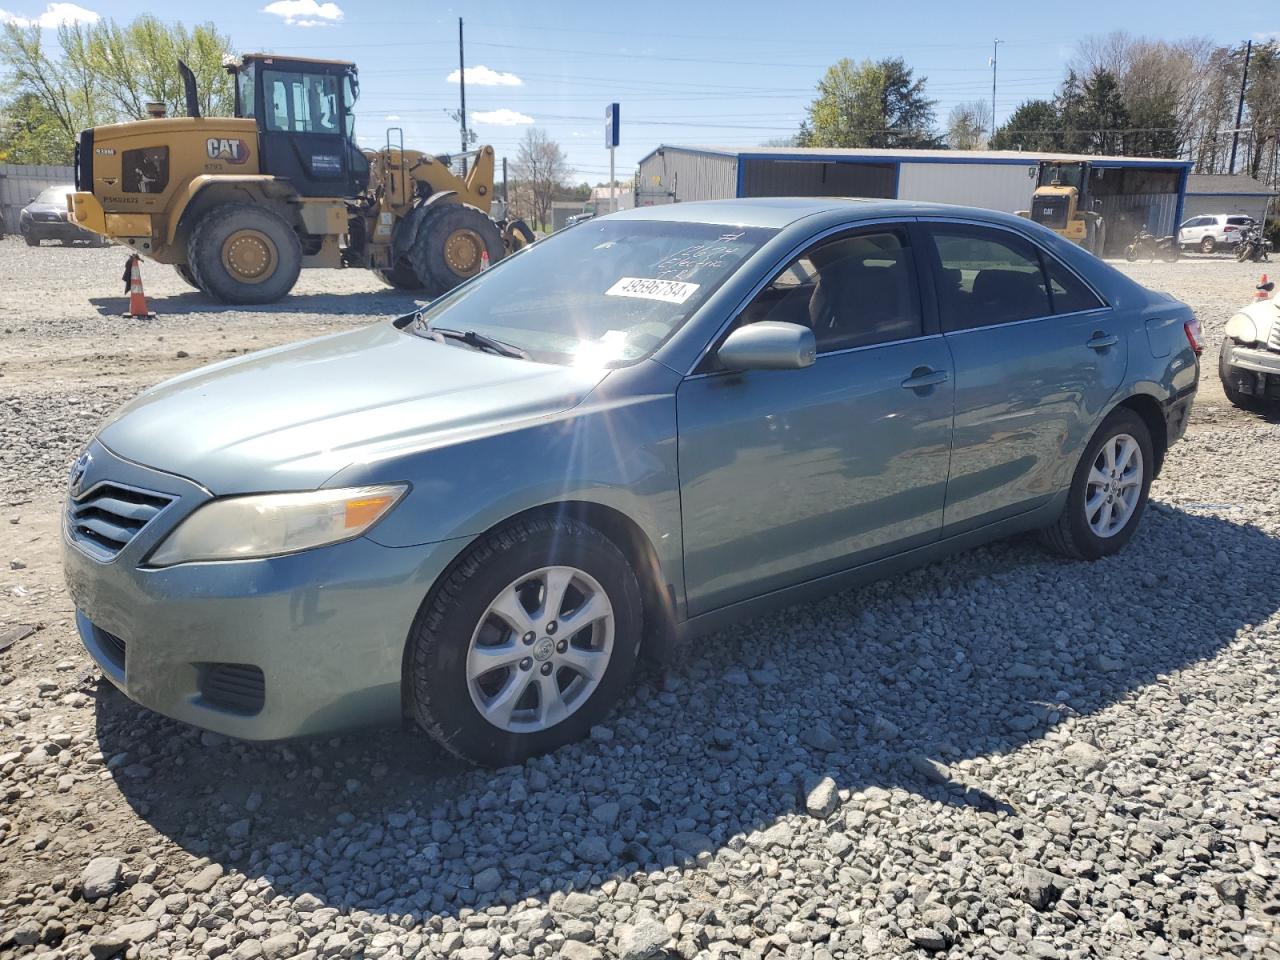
(995, 186)
(19, 183)
(1203, 204)
(1124, 215)
(808, 178)
(683, 177)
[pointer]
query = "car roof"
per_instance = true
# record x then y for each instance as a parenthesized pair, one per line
(780, 212)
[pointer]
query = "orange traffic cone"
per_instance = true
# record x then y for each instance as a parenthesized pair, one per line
(133, 283)
(1264, 288)
(484, 259)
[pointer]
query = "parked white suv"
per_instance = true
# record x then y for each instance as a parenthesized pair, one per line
(1213, 230)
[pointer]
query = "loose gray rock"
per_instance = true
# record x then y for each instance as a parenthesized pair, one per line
(642, 939)
(101, 877)
(821, 798)
(1085, 756)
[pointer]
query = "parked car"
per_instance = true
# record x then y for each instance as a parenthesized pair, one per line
(1249, 359)
(1208, 232)
(634, 432)
(46, 217)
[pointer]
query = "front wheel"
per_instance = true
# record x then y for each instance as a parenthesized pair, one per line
(1171, 253)
(1242, 253)
(1235, 395)
(1131, 252)
(401, 276)
(1207, 245)
(453, 244)
(184, 271)
(1108, 490)
(242, 253)
(527, 643)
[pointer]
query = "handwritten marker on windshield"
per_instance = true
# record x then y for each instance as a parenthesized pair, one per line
(484, 259)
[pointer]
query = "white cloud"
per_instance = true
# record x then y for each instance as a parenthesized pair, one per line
(482, 76)
(502, 118)
(393, 116)
(305, 13)
(55, 15)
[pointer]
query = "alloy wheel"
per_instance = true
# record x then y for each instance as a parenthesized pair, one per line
(540, 649)
(1114, 486)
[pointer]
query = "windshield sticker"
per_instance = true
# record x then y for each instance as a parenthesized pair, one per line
(668, 291)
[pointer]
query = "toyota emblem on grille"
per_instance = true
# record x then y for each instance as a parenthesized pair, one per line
(78, 470)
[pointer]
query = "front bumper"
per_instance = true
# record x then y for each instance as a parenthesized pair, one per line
(1253, 358)
(259, 649)
(56, 230)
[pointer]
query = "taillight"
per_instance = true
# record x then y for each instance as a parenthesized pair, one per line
(1194, 336)
(1229, 229)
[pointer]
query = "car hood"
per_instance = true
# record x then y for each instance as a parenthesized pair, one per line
(292, 417)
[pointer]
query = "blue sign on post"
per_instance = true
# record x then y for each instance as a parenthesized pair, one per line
(611, 125)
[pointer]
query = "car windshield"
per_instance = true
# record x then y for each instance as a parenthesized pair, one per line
(55, 195)
(605, 293)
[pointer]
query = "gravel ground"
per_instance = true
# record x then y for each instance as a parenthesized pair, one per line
(1005, 755)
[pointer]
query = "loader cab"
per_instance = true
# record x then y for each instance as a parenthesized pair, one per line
(305, 113)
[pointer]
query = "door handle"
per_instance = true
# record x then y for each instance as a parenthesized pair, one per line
(924, 377)
(1101, 340)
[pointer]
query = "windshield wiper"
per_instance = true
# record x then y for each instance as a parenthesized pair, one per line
(477, 340)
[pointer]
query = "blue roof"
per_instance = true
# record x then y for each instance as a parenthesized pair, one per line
(779, 212)
(866, 155)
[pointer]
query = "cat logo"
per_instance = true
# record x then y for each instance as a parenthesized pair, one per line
(232, 151)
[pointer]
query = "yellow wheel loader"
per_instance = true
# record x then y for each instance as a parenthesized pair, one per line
(1062, 202)
(240, 204)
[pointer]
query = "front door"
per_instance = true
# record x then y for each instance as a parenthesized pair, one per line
(302, 132)
(788, 475)
(1038, 356)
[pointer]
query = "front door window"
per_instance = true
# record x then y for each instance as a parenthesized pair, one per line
(301, 102)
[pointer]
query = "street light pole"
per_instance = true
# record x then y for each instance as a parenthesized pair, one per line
(462, 90)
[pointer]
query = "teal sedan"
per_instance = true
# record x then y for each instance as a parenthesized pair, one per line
(479, 515)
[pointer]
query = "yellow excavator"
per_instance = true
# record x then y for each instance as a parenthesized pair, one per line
(1061, 201)
(240, 204)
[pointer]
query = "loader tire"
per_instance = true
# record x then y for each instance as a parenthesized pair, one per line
(183, 271)
(450, 246)
(241, 253)
(402, 277)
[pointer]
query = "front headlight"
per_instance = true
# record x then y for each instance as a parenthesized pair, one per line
(267, 525)
(1242, 329)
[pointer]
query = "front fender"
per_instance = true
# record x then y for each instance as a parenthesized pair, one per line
(262, 184)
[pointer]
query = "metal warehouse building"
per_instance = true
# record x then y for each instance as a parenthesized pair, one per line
(1227, 193)
(1133, 190)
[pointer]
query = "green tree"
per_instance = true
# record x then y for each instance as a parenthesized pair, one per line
(103, 72)
(1034, 126)
(968, 125)
(30, 134)
(872, 104)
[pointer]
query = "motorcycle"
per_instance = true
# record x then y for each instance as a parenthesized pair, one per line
(1144, 241)
(1253, 246)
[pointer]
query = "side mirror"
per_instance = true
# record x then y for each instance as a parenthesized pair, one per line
(769, 345)
(31, 199)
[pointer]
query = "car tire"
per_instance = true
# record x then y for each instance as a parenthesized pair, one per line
(1236, 397)
(1077, 533)
(31, 238)
(477, 682)
(1208, 245)
(269, 244)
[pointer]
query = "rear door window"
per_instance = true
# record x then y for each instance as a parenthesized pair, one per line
(1240, 221)
(986, 277)
(1067, 292)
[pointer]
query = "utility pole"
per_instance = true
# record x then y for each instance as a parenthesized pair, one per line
(1244, 79)
(462, 91)
(995, 49)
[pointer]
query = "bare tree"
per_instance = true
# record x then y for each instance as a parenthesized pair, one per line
(968, 125)
(541, 171)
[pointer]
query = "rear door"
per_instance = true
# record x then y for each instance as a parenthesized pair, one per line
(789, 475)
(1038, 355)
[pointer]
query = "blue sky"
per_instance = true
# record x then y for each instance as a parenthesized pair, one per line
(685, 72)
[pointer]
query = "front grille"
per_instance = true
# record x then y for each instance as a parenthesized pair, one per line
(1274, 341)
(237, 687)
(112, 647)
(109, 516)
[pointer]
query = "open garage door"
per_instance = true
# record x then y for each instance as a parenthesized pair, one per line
(1129, 197)
(808, 178)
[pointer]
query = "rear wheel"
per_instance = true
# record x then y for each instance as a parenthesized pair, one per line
(1131, 252)
(1208, 245)
(527, 643)
(1170, 253)
(451, 246)
(402, 277)
(240, 253)
(1108, 490)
